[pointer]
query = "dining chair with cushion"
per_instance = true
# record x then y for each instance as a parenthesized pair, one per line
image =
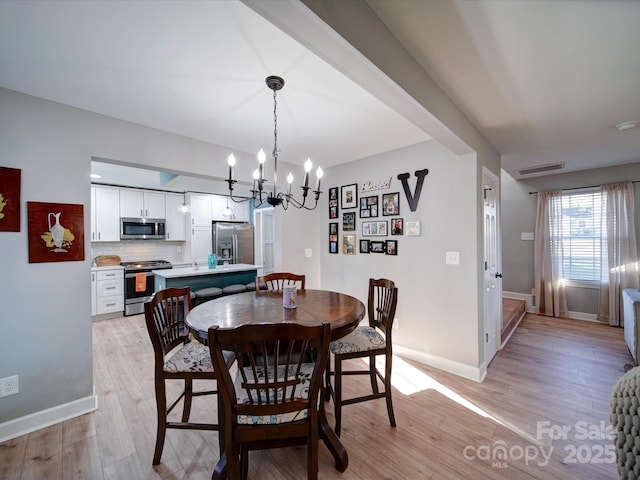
(273, 399)
(278, 280)
(176, 357)
(366, 342)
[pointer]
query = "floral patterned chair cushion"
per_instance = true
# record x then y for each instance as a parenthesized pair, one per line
(363, 338)
(193, 357)
(301, 390)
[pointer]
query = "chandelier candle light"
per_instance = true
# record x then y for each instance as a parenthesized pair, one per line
(275, 198)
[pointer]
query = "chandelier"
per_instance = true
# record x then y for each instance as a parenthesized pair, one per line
(259, 194)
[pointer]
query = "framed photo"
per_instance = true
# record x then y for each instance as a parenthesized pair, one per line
(56, 232)
(349, 196)
(349, 244)
(397, 226)
(390, 204)
(10, 199)
(413, 229)
(333, 237)
(349, 221)
(376, 228)
(392, 247)
(369, 207)
(333, 202)
(376, 246)
(364, 246)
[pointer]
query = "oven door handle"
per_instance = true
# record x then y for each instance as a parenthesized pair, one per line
(133, 275)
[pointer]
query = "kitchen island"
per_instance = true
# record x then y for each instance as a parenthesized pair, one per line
(203, 277)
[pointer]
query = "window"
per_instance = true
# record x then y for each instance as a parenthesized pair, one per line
(582, 221)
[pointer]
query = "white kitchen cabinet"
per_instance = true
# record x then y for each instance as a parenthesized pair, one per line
(201, 243)
(139, 203)
(200, 209)
(109, 291)
(176, 222)
(105, 214)
(240, 211)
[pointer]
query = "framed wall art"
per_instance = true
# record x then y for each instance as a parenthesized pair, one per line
(56, 232)
(349, 196)
(397, 226)
(349, 244)
(349, 221)
(376, 246)
(391, 248)
(333, 237)
(412, 229)
(333, 202)
(376, 228)
(369, 207)
(364, 246)
(10, 199)
(390, 204)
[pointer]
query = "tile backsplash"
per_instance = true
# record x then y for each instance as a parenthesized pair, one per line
(135, 250)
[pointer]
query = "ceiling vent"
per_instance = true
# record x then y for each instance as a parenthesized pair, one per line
(541, 168)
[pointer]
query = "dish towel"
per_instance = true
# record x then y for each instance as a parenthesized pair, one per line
(141, 282)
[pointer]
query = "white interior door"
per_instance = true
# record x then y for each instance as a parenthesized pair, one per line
(492, 276)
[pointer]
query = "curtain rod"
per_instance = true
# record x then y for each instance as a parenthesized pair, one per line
(579, 188)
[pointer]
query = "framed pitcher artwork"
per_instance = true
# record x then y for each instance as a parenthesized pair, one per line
(56, 232)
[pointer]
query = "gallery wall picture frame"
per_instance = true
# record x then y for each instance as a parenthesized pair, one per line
(390, 204)
(349, 221)
(333, 202)
(375, 228)
(391, 248)
(377, 246)
(10, 199)
(369, 206)
(412, 229)
(56, 232)
(333, 237)
(349, 194)
(397, 226)
(364, 246)
(349, 244)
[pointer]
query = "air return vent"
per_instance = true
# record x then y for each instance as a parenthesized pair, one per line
(541, 168)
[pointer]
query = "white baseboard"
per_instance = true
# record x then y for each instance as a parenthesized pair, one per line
(45, 418)
(472, 373)
(589, 317)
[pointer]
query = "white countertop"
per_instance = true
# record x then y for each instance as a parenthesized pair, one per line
(204, 270)
(107, 267)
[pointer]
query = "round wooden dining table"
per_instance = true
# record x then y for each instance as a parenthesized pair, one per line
(342, 311)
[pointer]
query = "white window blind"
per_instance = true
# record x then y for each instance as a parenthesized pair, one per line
(583, 220)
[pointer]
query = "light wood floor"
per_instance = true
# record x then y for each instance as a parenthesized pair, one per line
(556, 371)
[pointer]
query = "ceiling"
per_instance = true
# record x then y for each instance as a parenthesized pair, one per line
(545, 82)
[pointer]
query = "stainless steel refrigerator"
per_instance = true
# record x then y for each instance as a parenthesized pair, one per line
(233, 242)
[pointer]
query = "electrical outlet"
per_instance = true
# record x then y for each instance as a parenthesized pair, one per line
(9, 386)
(396, 323)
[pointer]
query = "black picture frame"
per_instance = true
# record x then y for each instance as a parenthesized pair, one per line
(397, 226)
(364, 246)
(349, 221)
(349, 196)
(349, 244)
(333, 237)
(377, 246)
(391, 248)
(375, 228)
(333, 203)
(390, 204)
(369, 206)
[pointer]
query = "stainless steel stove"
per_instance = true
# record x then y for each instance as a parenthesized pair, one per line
(139, 283)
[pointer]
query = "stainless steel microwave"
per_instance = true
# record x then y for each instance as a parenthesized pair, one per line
(142, 228)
